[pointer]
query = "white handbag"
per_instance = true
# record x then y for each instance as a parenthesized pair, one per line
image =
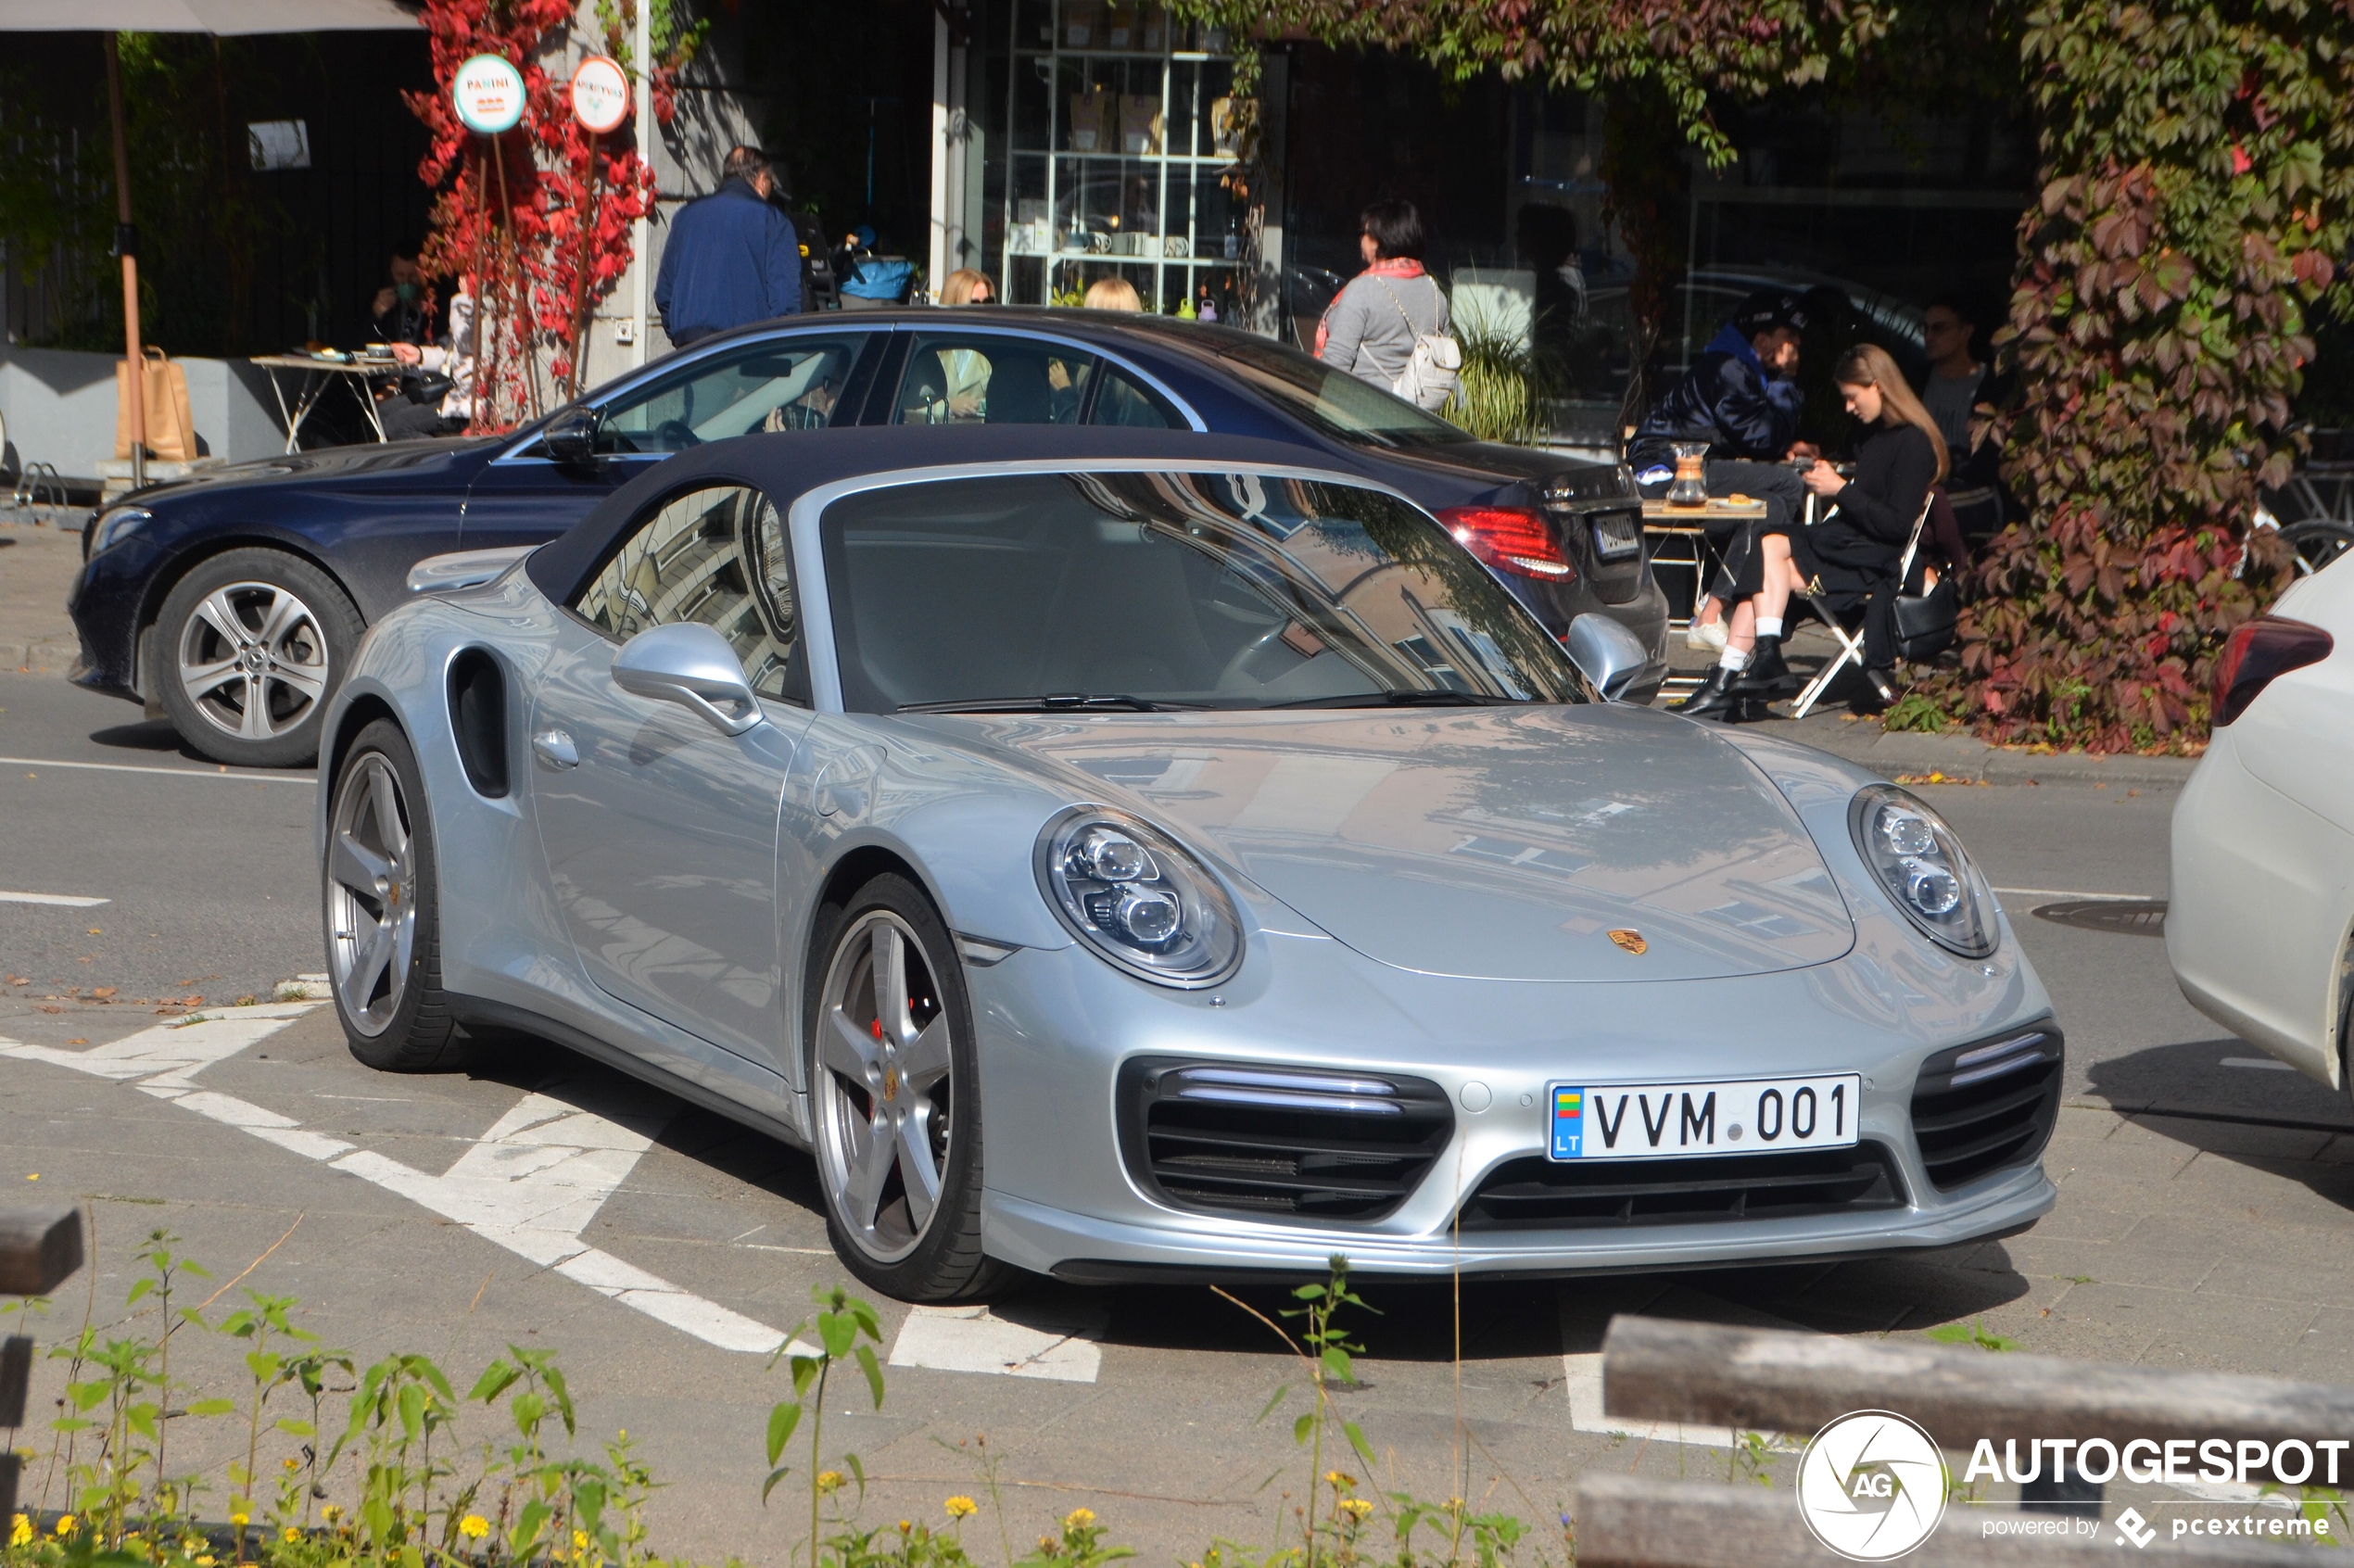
(1434, 369)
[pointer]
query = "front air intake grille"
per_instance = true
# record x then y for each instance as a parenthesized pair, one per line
(1539, 1193)
(1987, 1106)
(1279, 1142)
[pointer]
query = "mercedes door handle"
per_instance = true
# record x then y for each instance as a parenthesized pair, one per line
(554, 748)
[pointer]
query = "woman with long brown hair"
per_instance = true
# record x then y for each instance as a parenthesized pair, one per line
(1840, 559)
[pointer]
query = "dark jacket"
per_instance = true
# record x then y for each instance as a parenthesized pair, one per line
(1727, 400)
(1895, 467)
(731, 259)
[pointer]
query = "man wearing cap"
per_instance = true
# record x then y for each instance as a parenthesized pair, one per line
(1741, 397)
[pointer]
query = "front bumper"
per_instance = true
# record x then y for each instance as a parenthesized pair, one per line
(1061, 1198)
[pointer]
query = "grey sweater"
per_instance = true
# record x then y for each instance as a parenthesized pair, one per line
(1371, 326)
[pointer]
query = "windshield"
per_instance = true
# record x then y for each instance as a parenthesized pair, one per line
(1138, 591)
(1335, 401)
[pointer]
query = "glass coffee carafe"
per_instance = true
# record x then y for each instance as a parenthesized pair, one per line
(1690, 487)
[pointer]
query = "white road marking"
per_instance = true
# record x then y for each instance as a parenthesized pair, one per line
(64, 900)
(1583, 1376)
(2063, 892)
(255, 776)
(531, 1184)
(2261, 1064)
(971, 1339)
(1585, 1311)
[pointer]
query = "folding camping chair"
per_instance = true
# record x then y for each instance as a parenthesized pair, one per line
(1850, 637)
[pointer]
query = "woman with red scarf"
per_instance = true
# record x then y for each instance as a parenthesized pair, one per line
(1369, 329)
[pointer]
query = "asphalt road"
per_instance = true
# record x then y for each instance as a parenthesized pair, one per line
(540, 1200)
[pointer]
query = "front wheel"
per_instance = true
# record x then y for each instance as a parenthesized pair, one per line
(250, 645)
(896, 1095)
(382, 915)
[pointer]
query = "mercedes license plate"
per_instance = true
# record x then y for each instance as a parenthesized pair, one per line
(1680, 1120)
(1618, 535)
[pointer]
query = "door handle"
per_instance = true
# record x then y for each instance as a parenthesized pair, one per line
(554, 748)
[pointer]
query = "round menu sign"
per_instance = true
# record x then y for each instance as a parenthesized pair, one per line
(599, 93)
(488, 93)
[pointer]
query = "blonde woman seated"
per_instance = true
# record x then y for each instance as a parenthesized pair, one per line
(1850, 556)
(1112, 294)
(966, 287)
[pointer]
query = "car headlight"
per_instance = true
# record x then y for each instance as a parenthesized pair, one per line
(1127, 890)
(1918, 859)
(115, 524)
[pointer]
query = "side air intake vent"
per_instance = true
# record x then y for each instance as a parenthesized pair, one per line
(1981, 1108)
(1279, 1142)
(478, 720)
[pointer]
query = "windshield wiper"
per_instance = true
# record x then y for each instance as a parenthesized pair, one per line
(1402, 699)
(1052, 703)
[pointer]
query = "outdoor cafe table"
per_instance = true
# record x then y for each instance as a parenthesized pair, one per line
(315, 376)
(1679, 536)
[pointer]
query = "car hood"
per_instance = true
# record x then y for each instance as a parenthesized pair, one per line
(365, 460)
(1539, 843)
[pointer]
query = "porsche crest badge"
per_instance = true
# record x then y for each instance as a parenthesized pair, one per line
(1632, 941)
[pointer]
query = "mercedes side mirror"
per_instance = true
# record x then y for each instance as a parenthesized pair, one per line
(1606, 653)
(688, 664)
(570, 436)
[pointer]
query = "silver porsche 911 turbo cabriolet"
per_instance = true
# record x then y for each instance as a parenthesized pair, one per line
(1114, 853)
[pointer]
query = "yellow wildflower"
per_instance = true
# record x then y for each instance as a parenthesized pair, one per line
(205, 1562)
(1078, 1518)
(288, 1465)
(828, 1480)
(241, 1520)
(1335, 1478)
(290, 1534)
(331, 1514)
(21, 1531)
(962, 1507)
(473, 1527)
(66, 1526)
(580, 1540)
(1356, 1508)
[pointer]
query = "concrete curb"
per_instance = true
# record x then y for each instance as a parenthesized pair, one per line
(1966, 756)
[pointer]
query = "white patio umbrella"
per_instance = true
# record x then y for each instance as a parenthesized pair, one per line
(226, 17)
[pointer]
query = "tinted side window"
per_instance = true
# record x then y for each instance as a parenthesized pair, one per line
(717, 555)
(990, 380)
(789, 384)
(1122, 400)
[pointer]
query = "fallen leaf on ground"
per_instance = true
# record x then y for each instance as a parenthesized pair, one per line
(46, 1008)
(77, 1041)
(20, 980)
(104, 991)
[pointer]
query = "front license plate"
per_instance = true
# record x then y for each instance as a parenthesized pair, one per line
(1680, 1121)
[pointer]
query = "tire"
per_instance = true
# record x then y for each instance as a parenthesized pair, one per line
(2318, 542)
(380, 910)
(921, 1068)
(249, 647)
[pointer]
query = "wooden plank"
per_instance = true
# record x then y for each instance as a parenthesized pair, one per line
(39, 1249)
(16, 1378)
(1769, 1380)
(1627, 1522)
(1720, 508)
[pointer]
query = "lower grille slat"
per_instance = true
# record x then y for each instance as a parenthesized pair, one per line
(1289, 1145)
(1539, 1193)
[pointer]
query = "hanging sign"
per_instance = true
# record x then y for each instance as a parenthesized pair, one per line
(488, 93)
(599, 95)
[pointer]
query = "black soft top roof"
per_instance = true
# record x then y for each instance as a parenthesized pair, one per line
(789, 464)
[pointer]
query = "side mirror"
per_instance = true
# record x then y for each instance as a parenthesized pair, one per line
(688, 664)
(570, 436)
(1606, 653)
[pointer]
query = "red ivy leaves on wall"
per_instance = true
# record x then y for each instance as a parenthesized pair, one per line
(540, 217)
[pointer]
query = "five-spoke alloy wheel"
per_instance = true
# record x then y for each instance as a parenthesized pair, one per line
(896, 1098)
(249, 646)
(384, 959)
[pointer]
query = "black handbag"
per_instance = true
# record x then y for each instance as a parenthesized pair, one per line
(1925, 620)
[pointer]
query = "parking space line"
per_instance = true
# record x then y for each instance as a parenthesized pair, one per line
(67, 901)
(2259, 1063)
(255, 774)
(2063, 892)
(973, 1339)
(530, 1185)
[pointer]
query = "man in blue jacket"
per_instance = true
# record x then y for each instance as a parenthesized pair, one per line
(732, 258)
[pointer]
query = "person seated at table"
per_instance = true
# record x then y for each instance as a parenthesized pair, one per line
(1848, 557)
(404, 416)
(1741, 397)
(403, 310)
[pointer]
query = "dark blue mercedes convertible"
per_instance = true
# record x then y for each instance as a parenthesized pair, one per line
(232, 603)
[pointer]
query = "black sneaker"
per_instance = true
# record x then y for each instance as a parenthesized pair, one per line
(1768, 676)
(1714, 699)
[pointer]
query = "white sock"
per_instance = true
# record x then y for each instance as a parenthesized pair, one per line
(1769, 626)
(1734, 659)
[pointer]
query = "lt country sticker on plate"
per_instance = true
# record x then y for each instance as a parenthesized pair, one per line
(1681, 1120)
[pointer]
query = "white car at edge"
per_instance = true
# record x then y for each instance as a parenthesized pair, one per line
(2259, 926)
